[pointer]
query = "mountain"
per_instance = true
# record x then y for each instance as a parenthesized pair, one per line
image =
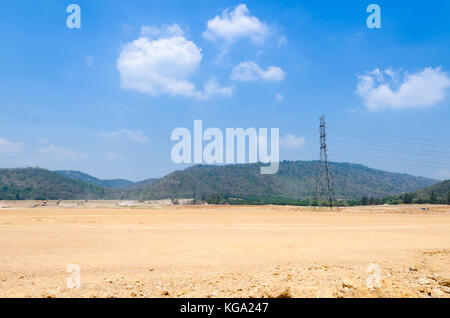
(41, 184)
(143, 183)
(441, 193)
(113, 183)
(294, 180)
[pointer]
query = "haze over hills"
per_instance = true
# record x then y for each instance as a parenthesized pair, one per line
(294, 180)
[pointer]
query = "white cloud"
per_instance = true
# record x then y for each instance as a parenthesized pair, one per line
(212, 87)
(235, 24)
(111, 156)
(7, 146)
(159, 66)
(166, 31)
(250, 71)
(133, 135)
(52, 150)
(291, 141)
(421, 89)
(443, 174)
(163, 65)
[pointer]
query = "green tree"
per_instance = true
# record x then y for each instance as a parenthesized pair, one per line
(408, 198)
(365, 200)
(432, 197)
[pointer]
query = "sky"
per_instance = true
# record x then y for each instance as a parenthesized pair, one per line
(105, 98)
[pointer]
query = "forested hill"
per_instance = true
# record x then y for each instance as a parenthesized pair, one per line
(41, 184)
(295, 179)
(437, 193)
(108, 183)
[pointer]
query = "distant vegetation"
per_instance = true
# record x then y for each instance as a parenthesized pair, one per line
(436, 194)
(113, 183)
(294, 184)
(41, 184)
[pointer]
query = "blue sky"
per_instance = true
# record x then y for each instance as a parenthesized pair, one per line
(105, 98)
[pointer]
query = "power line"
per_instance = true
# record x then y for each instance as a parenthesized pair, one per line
(394, 144)
(413, 140)
(387, 150)
(395, 160)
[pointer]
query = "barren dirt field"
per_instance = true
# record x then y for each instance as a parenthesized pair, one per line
(227, 251)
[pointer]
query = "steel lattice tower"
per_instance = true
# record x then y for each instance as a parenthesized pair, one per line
(324, 184)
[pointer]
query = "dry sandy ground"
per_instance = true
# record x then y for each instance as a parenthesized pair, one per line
(207, 251)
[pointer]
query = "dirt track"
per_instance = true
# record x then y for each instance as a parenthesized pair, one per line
(225, 251)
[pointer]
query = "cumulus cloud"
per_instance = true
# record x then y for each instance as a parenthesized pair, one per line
(162, 61)
(159, 66)
(291, 141)
(234, 24)
(7, 146)
(401, 90)
(250, 71)
(132, 135)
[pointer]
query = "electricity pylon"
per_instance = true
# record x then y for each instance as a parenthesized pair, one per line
(324, 184)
